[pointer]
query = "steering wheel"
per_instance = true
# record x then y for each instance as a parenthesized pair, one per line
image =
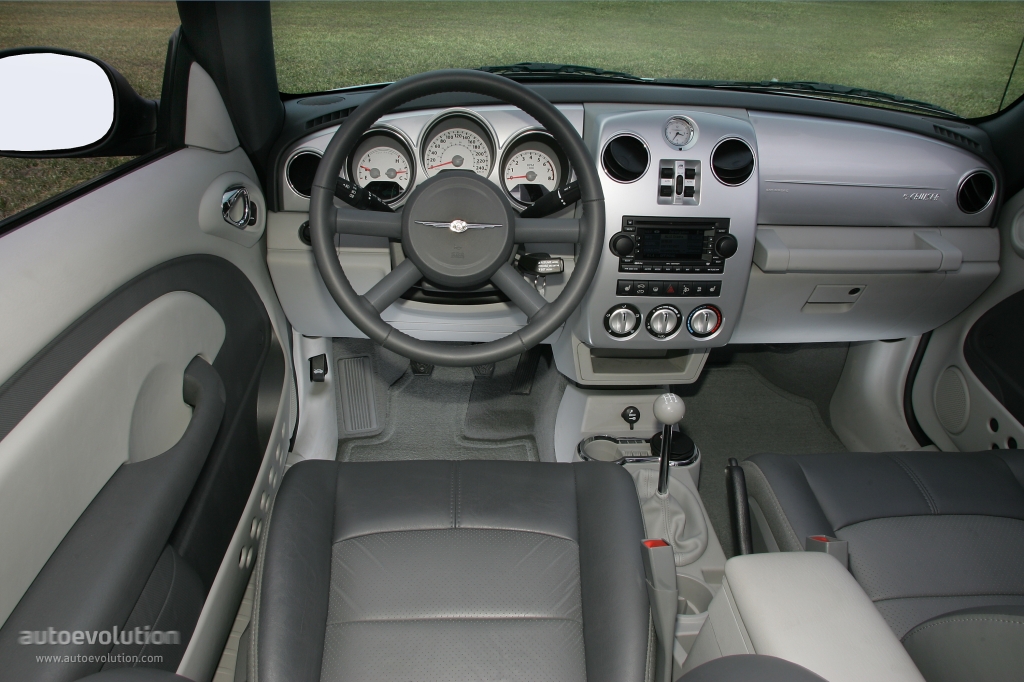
(457, 228)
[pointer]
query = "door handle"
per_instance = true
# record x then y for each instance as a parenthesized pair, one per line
(229, 207)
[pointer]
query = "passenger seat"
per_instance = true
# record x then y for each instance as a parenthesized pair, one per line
(936, 540)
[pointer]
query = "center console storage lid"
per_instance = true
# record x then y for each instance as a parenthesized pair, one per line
(806, 608)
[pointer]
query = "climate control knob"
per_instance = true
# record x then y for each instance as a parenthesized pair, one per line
(704, 320)
(663, 321)
(622, 320)
(622, 245)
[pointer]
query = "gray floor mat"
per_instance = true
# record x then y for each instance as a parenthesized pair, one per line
(427, 419)
(734, 412)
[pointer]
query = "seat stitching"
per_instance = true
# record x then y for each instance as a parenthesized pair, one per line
(776, 505)
(430, 619)
(950, 596)
(917, 481)
(579, 565)
(429, 530)
(451, 497)
(975, 619)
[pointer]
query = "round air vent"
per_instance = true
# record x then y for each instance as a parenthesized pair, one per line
(625, 158)
(975, 192)
(732, 162)
(301, 170)
(952, 402)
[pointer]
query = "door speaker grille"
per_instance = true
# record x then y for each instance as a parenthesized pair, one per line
(952, 402)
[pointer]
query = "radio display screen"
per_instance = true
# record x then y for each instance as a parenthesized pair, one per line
(670, 244)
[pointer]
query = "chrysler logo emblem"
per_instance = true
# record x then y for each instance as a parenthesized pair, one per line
(457, 225)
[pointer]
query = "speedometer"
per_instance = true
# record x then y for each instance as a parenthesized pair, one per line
(384, 171)
(457, 148)
(529, 175)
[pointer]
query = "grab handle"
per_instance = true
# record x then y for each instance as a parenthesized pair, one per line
(932, 253)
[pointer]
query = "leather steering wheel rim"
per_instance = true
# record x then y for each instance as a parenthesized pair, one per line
(323, 218)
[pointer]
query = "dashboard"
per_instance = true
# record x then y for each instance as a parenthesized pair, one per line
(723, 225)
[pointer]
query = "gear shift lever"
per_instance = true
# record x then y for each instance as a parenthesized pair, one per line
(669, 410)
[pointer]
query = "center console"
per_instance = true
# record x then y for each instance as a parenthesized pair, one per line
(681, 213)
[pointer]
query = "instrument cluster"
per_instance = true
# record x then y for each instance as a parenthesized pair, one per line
(529, 165)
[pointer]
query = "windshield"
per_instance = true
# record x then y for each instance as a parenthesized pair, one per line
(959, 56)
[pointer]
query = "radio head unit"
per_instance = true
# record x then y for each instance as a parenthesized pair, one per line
(673, 245)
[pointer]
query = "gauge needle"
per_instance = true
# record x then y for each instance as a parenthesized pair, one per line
(401, 171)
(438, 165)
(365, 168)
(516, 177)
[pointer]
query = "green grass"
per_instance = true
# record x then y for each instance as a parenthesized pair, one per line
(131, 37)
(957, 55)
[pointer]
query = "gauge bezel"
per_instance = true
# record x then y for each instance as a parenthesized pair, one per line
(398, 141)
(612, 138)
(693, 138)
(517, 143)
(448, 120)
(288, 164)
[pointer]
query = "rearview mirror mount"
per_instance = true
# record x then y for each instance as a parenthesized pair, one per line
(60, 103)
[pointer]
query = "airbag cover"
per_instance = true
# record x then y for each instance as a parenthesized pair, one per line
(451, 253)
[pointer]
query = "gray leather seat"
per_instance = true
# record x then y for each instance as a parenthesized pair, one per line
(453, 571)
(930, 534)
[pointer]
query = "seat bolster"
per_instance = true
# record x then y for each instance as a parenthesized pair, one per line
(985, 643)
(1015, 461)
(746, 667)
(616, 612)
(293, 588)
(789, 505)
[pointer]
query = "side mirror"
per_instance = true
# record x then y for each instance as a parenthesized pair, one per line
(59, 103)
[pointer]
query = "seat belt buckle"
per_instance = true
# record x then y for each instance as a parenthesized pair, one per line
(840, 549)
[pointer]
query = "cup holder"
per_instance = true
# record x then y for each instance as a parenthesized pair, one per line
(694, 596)
(624, 450)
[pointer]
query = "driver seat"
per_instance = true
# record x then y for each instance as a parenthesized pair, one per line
(456, 571)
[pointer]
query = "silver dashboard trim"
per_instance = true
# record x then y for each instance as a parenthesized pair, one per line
(991, 199)
(288, 164)
(753, 152)
(612, 138)
(409, 148)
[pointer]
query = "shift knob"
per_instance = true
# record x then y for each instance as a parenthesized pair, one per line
(669, 409)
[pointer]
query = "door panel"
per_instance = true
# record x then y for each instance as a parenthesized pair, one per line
(956, 407)
(55, 461)
(93, 580)
(69, 280)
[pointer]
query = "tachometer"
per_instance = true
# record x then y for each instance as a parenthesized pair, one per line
(457, 148)
(529, 175)
(385, 171)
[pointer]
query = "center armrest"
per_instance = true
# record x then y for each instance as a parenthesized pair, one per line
(806, 608)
